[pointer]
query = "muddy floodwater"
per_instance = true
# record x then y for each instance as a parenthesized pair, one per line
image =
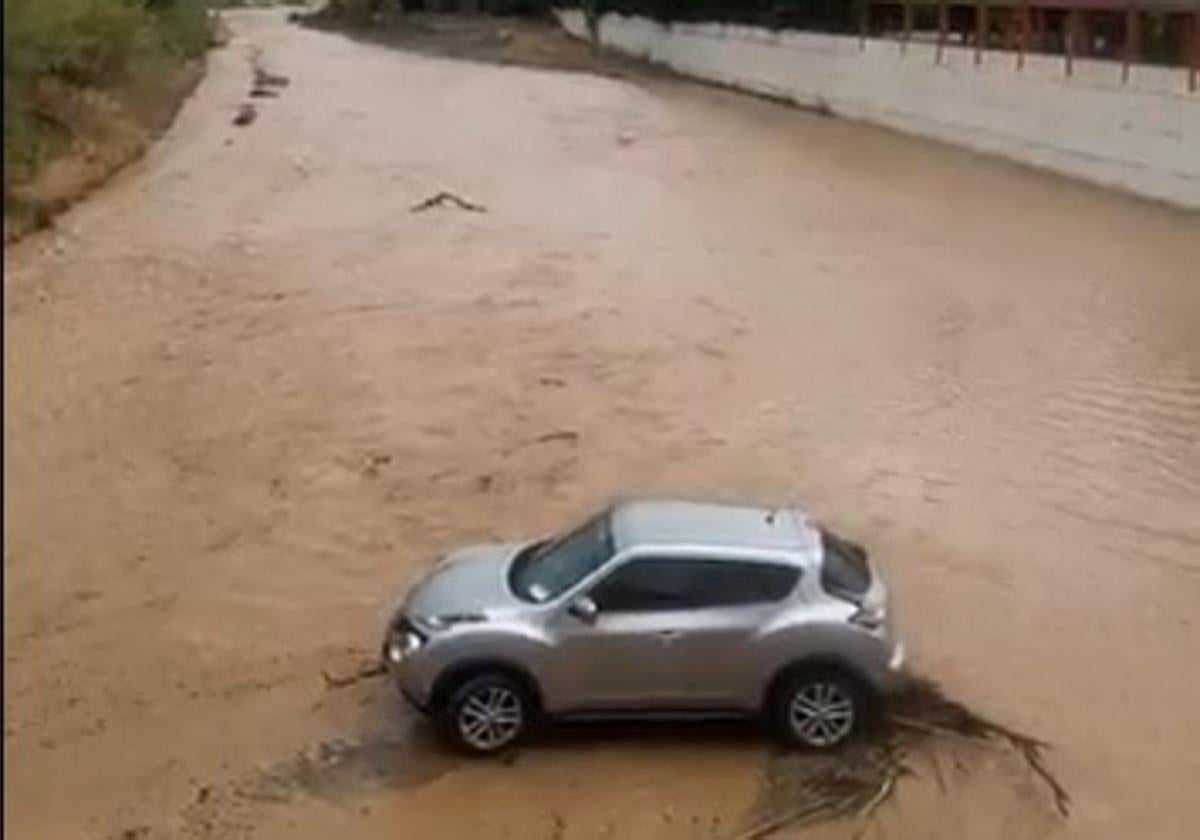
(250, 395)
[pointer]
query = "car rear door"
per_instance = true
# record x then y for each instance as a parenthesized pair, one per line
(718, 656)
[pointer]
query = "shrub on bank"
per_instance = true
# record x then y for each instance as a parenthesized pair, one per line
(52, 46)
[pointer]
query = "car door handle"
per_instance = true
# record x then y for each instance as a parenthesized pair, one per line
(666, 636)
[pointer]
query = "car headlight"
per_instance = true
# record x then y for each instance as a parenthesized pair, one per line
(402, 645)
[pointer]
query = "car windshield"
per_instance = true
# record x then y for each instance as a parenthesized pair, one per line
(546, 570)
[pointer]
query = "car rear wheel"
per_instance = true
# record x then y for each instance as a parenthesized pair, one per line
(819, 710)
(486, 714)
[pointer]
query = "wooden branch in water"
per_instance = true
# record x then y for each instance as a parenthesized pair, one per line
(886, 789)
(944, 731)
(1033, 757)
(935, 729)
(365, 672)
(1030, 749)
(445, 197)
(778, 822)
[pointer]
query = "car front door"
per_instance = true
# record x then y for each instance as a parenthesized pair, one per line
(624, 657)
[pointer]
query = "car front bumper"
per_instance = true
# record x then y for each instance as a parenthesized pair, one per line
(898, 661)
(423, 708)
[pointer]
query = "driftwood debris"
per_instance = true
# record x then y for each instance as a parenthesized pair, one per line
(556, 436)
(365, 672)
(245, 115)
(565, 435)
(266, 79)
(447, 198)
(266, 85)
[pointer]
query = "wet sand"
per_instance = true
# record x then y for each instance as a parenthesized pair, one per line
(250, 395)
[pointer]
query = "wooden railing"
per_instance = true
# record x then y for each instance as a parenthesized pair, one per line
(1066, 27)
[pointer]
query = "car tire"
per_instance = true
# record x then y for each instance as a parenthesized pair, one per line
(819, 709)
(486, 714)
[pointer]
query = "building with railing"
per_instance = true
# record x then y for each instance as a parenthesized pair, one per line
(1101, 90)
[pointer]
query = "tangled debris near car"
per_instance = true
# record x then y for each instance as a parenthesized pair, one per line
(924, 727)
(804, 788)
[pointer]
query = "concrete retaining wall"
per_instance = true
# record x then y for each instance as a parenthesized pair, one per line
(1142, 136)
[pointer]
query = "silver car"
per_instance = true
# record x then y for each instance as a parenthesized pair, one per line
(655, 608)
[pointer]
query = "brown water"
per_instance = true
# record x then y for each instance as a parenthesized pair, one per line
(249, 395)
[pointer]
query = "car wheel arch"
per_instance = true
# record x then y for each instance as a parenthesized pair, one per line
(815, 664)
(455, 675)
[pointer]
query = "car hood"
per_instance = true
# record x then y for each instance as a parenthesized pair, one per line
(470, 580)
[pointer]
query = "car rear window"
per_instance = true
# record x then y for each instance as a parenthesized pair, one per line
(844, 568)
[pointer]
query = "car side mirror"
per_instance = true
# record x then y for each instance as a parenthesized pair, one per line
(585, 609)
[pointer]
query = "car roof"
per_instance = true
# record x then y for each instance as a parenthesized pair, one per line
(679, 522)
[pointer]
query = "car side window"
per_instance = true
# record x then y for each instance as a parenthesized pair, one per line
(645, 585)
(730, 583)
(663, 583)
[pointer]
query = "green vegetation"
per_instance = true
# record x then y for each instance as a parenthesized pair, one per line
(58, 51)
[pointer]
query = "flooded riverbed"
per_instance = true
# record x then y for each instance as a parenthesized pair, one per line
(249, 395)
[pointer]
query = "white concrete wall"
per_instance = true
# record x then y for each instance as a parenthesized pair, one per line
(1143, 136)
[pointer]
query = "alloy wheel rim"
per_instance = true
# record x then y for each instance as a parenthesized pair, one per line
(821, 714)
(490, 718)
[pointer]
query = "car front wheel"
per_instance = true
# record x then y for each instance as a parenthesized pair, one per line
(819, 710)
(486, 714)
